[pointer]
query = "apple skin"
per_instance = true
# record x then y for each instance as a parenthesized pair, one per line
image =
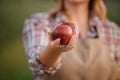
(73, 26)
(64, 32)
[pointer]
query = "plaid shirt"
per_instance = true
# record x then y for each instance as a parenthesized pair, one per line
(36, 38)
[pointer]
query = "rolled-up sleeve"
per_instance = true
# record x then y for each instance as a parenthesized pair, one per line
(118, 48)
(115, 37)
(35, 39)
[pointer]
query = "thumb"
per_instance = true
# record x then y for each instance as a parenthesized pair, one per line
(49, 35)
(56, 42)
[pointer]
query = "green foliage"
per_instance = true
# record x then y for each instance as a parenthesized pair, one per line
(13, 61)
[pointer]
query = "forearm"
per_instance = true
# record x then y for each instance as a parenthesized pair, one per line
(50, 56)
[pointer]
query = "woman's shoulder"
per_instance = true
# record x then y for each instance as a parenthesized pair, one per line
(40, 16)
(112, 23)
(112, 26)
(111, 31)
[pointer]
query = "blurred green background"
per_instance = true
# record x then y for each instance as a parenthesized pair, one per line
(13, 62)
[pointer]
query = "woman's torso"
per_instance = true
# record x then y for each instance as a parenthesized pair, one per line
(89, 60)
(86, 61)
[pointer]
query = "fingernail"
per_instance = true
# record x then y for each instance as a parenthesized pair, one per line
(72, 38)
(76, 29)
(49, 33)
(57, 40)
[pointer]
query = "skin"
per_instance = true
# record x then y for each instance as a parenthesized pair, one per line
(78, 9)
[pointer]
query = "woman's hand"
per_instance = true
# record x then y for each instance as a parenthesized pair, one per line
(52, 54)
(55, 44)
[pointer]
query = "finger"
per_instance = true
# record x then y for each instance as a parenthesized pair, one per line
(64, 49)
(56, 42)
(49, 35)
(67, 47)
(76, 29)
(61, 48)
(71, 42)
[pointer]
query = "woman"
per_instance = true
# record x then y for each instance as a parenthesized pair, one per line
(93, 52)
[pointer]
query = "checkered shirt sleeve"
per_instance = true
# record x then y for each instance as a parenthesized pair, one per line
(111, 32)
(35, 39)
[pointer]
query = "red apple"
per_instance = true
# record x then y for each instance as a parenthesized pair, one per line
(64, 32)
(73, 26)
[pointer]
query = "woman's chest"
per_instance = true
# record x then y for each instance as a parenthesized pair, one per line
(89, 60)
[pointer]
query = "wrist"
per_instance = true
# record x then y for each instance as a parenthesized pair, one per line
(50, 56)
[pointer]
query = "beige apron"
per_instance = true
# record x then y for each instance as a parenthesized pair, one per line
(89, 60)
